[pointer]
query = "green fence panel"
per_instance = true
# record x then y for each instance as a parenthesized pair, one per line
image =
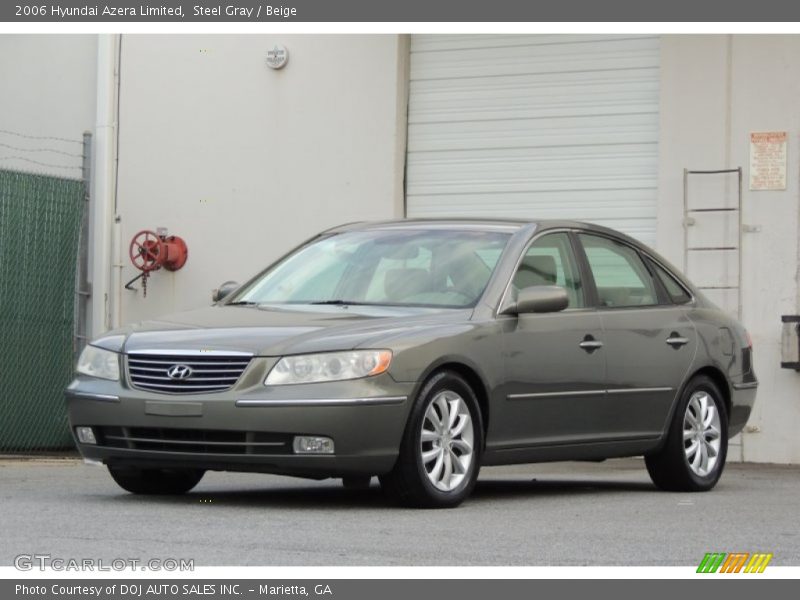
(40, 220)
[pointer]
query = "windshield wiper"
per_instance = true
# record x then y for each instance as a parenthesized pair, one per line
(342, 302)
(242, 303)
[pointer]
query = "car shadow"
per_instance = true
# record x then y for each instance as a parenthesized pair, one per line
(495, 489)
(331, 497)
(297, 496)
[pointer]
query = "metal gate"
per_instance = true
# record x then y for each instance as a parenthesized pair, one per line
(40, 222)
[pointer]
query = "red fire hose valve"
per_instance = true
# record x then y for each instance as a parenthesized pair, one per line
(150, 251)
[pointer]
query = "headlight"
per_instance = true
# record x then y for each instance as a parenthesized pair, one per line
(97, 362)
(330, 366)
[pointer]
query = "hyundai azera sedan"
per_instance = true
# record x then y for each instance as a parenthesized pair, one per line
(418, 351)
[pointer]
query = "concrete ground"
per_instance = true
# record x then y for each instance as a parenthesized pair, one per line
(551, 514)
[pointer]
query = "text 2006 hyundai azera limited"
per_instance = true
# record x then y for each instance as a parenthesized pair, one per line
(418, 351)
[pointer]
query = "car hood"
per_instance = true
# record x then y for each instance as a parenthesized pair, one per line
(275, 331)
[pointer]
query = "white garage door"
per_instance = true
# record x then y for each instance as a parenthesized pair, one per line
(535, 126)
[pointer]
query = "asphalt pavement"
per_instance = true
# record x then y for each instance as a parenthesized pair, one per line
(546, 514)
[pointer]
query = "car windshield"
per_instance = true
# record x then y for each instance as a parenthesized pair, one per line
(436, 268)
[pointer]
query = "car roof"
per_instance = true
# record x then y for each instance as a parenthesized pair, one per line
(511, 225)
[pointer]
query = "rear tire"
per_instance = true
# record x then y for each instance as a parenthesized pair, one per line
(693, 456)
(156, 481)
(441, 449)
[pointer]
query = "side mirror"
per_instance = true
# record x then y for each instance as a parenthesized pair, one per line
(538, 299)
(223, 290)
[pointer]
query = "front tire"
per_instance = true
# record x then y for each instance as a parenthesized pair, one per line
(168, 482)
(693, 457)
(441, 449)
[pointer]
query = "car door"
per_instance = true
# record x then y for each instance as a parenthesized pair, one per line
(554, 362)
(649, 341)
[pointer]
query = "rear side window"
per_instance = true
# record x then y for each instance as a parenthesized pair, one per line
(675, 290)
(621, 277)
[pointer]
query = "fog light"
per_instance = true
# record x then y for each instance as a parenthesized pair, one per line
(85, 435)
(307, 444)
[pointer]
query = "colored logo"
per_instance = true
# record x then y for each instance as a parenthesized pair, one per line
(735, 562)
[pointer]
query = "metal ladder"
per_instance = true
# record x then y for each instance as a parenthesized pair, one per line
(690, 216)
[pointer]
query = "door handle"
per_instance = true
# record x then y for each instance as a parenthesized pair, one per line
(590, 344)
(676, 341)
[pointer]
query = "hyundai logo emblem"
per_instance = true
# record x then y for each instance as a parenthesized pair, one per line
(179, 372)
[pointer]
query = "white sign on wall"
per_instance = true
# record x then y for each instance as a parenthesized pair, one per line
(768, 160)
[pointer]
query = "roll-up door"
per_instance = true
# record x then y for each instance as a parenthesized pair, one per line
(535, 126)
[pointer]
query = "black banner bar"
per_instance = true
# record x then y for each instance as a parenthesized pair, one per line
(117, 11)
(388, 589)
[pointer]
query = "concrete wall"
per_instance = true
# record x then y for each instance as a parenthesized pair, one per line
(245, 162)
(715, 91)
(48, 90)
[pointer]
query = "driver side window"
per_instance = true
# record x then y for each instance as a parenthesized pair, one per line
(550, 261)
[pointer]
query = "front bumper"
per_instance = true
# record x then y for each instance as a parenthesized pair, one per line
(245, 430)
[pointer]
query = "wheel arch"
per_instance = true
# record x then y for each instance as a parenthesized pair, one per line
(716, 375)
(712, 372)
(473, 377)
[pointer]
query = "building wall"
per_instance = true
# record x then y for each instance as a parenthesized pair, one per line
(48, 90)
(245, 162)
(715, 91)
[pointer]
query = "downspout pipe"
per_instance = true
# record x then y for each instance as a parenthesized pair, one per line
(103, 184)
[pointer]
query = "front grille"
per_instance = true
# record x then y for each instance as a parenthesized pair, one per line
(196, 441)
(209, 373)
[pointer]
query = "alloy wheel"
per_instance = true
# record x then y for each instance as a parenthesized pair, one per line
(447, 441)
(701, 433)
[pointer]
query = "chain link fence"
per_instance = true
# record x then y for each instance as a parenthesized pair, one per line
(40, 220)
